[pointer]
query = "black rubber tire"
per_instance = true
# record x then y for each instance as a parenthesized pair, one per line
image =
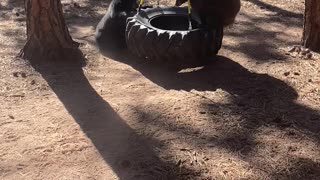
(178, 48)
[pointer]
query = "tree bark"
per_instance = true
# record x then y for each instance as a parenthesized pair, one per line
(48, 37)
(311, 28)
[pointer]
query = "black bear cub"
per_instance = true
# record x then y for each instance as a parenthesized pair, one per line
(110, 32)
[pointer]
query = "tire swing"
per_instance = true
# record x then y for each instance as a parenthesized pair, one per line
(171, 35)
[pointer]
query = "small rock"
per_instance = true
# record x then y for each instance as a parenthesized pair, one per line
(23, 74)
(296, 73)
(185, 149)
(11, 117)
(295, 49)
(21, 95)
(306, 50)
(202, 112)
(310, 80)
(15, 74)
(286, 73)
(309, 56)
(33, 82)
(206, 159)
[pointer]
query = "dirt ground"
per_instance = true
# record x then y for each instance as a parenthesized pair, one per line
(253, 113)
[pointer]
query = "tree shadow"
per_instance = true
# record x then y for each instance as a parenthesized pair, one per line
(279, 11)
(130, 155)
(260, 99)
(260, 37)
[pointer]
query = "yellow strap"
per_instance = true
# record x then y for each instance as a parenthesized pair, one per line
(189, 7)
(141, 2)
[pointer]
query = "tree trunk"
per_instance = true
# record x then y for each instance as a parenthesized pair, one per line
(311, 31)
(48, 37)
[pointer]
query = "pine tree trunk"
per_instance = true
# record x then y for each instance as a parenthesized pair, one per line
(311, 31)
(48, 37)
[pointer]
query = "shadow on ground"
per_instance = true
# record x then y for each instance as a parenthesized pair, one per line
(265, 96)
(279, 11)
(260, 38)
(259, 99)
(130, 155)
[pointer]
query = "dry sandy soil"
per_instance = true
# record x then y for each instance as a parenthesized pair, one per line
(253, 113)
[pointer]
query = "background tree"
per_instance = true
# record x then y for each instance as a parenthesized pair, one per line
(311, 28)
(48, 37)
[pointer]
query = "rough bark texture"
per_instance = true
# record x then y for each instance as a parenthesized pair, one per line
(48, 37)
(311, 32)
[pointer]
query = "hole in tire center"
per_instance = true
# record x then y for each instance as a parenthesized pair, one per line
(173, 23)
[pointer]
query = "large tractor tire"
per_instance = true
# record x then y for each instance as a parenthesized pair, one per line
(162, 34)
